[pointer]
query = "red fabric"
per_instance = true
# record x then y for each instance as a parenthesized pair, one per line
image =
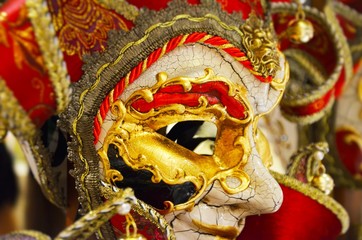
(88, 35)
(349, 152)
(244, 7)
(22, 66)
(149, 230)
(299, 218)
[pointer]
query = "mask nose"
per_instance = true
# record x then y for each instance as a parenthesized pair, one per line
(262, 195)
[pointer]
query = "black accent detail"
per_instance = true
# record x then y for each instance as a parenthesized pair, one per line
(55, 141)
(8, 181)
(183, 133)
(140, 181)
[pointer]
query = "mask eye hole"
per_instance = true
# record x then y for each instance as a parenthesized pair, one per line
(197, 136)
(145, 189)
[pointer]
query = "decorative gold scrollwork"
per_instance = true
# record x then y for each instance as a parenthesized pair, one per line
(260, 46)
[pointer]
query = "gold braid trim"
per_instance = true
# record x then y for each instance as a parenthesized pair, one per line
(155, 217)
(309, 64)
(356, 48)
(330, 13)
(28, 233)
(304, 120)
(349, 13)
(15, 119)
(109, 191)
(40, 17)
(120, 203)
(316, 195)
(12, 115)
(122, 7)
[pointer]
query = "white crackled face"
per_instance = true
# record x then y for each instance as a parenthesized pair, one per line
(153, 140)
(217, 213)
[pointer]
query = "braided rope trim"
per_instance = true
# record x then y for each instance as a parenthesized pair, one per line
(330, 82)
(197, 37)
(87, 225)
(110, 191)
(49, 46)
(311, 118)
(155, 217)
(349, 13)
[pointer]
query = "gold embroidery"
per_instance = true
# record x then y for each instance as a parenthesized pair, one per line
(3, 31)
(83, 25)
(53, 57)
(10, 109)
(25, 50)
(38, 84)
(122, 7)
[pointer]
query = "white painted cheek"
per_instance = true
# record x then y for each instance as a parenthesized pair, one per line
(183, 227)
(266, 194)
(215, 214)
(263, 195)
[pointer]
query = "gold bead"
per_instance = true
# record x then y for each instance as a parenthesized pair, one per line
(300, 31)
(324, 182)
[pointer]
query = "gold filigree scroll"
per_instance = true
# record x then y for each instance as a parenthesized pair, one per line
(141, 147)
(83, 25)
(20, 36)
(260, 46)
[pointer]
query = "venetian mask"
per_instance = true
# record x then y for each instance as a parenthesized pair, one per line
(184, 78)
